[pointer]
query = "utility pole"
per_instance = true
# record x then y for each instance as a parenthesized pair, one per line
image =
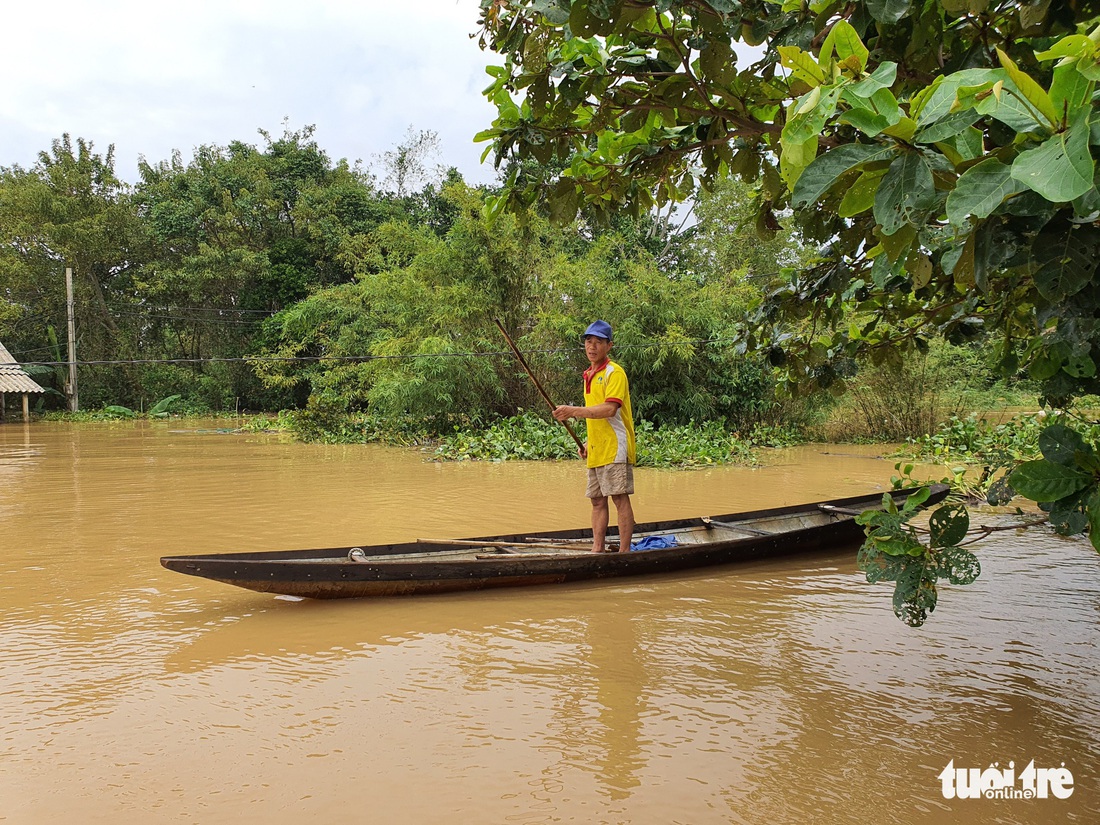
(74, 402)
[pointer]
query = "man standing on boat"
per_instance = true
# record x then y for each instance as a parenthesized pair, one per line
(609, 449)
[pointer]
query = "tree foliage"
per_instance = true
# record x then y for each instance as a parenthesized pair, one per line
(185, 265)
(274, 249)
(409, 336)
(895, 552)
(69, 210)
(942, 154)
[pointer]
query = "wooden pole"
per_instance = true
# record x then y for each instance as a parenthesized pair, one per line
(538, 385)
(26, 409)
(74, 399)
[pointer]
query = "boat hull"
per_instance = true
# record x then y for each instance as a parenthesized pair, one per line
(407, 569)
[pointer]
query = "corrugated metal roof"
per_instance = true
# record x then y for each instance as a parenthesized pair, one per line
(13, 378)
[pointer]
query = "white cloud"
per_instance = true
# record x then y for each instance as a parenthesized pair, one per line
(154, 77)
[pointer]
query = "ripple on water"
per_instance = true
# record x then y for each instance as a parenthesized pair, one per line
(779, 691)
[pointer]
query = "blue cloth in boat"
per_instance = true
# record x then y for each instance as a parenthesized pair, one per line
(653, 543)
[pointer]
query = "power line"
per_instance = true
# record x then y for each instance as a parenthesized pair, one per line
(354, 358)
(233, 309)
(208, 319)
(32, 351)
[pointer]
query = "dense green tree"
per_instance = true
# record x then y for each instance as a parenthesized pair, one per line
(241, 227)
(724, 237)
(71, 210)
(416, 294)
(186, 265)
(673, 335)
(422, 303)
(243, 232)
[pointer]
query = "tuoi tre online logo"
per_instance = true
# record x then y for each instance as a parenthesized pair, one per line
(997, 783)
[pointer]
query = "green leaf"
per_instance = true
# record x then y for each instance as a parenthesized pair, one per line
(844, 42)
(1060, 169)
(969, 143)
(718, 61)
(827, 169)
(903, 130)
(874, 114)
(877, 566)
(802, 65)
(958, 566)
(860, 196)
(552, 11)
(1067, 515)
(881, 78)
(895, 546)
(1032, 12)
(980, 190)
(915, 501)
(941, 100)
(921, 97)
(1089, 67)
(1092, 509)
(868, 122)
(564, 202)
(1070, 90)
(1088, 205)
(161, 407)
(905, 194)
(950, 126)
(915, 593)
(888, 11)
(1080, 366)
(1030, 89)
(897, 247)
(1044, 366)
(999, 492)
(809, 114)
(1073, 45)
(948, 525)
(1042, 480)
(1065, 261)
(1059, 444)
(795, 158)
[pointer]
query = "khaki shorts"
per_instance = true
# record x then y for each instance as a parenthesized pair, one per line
(610, 480)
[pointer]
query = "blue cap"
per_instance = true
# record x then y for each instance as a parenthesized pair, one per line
(600, 328)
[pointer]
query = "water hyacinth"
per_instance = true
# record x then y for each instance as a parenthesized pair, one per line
(530, 437)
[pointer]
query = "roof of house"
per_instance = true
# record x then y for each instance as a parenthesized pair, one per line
(13, 378)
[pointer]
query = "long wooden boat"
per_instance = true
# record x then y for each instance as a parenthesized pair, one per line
(446, 565)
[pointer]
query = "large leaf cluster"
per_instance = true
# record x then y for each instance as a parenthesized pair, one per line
(894, 552)
(1065, 481)
(943, 153)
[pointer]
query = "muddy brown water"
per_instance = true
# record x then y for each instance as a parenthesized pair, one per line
(777, 692)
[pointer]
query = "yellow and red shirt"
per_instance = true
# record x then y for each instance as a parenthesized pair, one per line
(610, 440)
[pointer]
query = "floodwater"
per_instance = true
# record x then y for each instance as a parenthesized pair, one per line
(776, 692)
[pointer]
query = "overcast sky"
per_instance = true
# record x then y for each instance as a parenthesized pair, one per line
(151, 77)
